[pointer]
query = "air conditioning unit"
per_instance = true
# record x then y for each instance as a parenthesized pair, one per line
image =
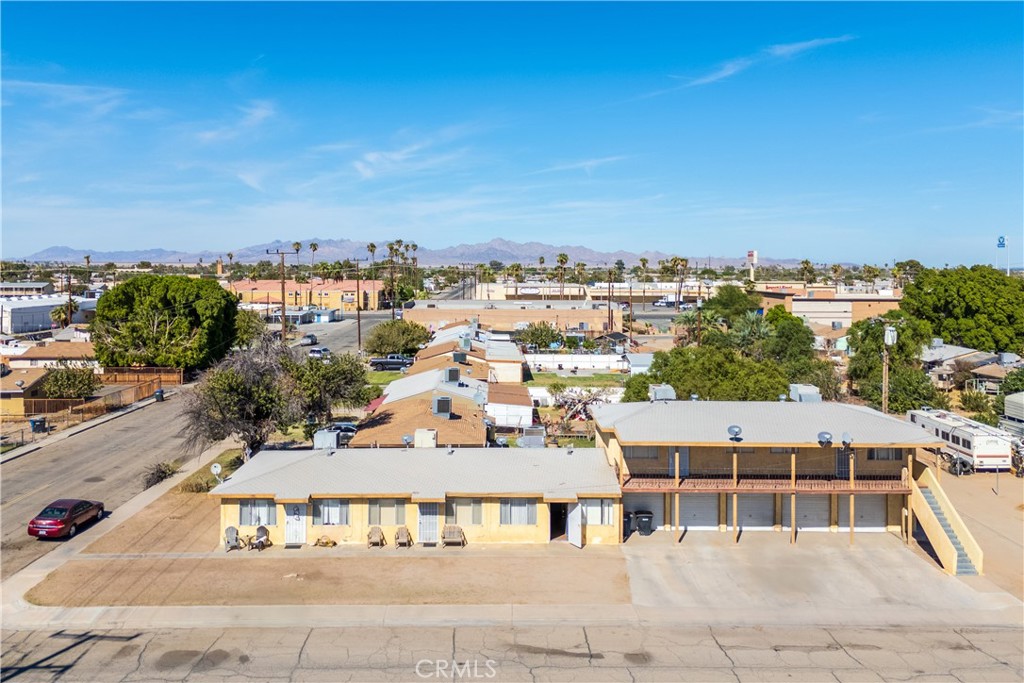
(459, 357)
(425, 438)
(443, 406)
(451, 375)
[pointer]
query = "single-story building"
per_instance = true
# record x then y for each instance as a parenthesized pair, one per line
(24, 314)
(25, 288)
(77, 354)
(18, 385)
(496, 495)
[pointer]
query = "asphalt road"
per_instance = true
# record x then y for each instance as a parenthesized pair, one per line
(104, 463)
(342, 336)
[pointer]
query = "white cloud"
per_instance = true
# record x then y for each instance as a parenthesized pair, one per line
(94, 100)
(790, 49)
(587, 165)
(730, 68)
(252, 116)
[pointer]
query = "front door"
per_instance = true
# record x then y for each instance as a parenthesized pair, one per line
(842, 464)
(428, 523)
(684, 461)
(295, 524)
(575, 524)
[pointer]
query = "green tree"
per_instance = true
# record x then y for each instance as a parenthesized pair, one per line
(793, 341)
(910, 388)
(248, 395)
(59, 314)
(730, 304)
(164, 320)
(975, 402)
(68, 381)
(1012, 383)
(320, 384)
(909, 270)
(866, 339)
(718, 374)
(636, 388)
(541, 334)
(977, 307)
(818, 372)
(397, 336)
(807, 272)
(249, 326)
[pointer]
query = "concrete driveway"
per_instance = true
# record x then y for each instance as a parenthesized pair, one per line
(709, 579)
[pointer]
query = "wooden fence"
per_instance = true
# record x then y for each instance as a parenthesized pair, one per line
(168, 376)
(97, 406)
(42, 406)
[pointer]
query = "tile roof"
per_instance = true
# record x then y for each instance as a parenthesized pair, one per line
(391, 422)
(509, 394)
(448, 347)
(425, 473)
(764, 423)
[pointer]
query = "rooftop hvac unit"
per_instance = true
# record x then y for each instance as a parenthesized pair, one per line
(443, 407)
(425, 438)
(661, 392)
(465, 343)
(451, 375)
(459, 357)
(937, 342)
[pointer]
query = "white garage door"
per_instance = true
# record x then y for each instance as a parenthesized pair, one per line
(757, 511)
(869, 511)
(654, 502)
(698, 511)
(811, 512)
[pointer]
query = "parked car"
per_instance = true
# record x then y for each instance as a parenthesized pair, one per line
(321, 353)
(308, 340)
(346, 430)
(392, 361)
(63, 517)
(664, 302)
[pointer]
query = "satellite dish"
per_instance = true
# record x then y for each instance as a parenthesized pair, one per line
(407, 439)
(215, 468)
(847, 439)
(824, 437)
(19, 383)
(735, 431)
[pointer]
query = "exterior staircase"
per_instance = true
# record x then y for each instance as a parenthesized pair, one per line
(964, 566)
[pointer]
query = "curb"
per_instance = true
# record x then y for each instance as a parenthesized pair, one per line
(21, 451)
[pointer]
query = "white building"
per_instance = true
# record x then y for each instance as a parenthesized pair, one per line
(24, 314)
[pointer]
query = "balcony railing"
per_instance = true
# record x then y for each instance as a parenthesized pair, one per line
(775, 479)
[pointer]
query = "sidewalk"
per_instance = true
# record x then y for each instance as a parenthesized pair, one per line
(20, 451)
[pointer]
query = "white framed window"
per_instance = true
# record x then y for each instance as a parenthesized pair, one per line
(330, 512)
(257, 512)
(599, 511)
(464, 511)
(641, 452)
(516, 511)
(387, 511)
(885, 454)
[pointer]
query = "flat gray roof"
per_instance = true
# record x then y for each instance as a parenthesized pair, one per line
(425, 473)
(764, 423)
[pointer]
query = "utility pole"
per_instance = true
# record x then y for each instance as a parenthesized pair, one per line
(465, 268)
(888, 338)
(67, 283)
(359, 307)
(611, 318)
(284, 307)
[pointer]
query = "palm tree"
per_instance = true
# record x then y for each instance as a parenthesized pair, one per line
(897, 277)
(231, 259)
(372, 249)
(643, 265)
(871, 274)
(313, 246)
(515, 271)
(581, 272)
(59, 314)
(837, 274)
(751, 331)
(689, 322)
(415, 247)
(88, 275)
(807, 272)
(562, 260)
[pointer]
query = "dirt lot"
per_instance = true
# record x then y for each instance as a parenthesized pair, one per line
(592, 577)
(176, 522)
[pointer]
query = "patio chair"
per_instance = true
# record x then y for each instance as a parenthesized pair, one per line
(325, 541)
(403, 537)
(376, 538)
(231, 539)
(262, 539)
(452, 535)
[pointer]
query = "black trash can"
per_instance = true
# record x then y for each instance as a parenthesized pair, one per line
(644, 522)
(38, 425)
(627, 525)
(158, 395)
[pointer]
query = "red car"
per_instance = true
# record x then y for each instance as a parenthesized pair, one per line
(63, 517)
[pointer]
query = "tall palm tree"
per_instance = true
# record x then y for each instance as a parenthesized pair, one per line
(581, 272)
(562, 260)
(643, 279)
(415, 247)
(313, 246)
(751, 331)
(59, 314)
(837, 274)
(515, 271)
(231, 259)
(88, 274)
(806, 271)
(372, 249)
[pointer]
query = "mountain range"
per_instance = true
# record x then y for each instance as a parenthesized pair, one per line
(496, 249)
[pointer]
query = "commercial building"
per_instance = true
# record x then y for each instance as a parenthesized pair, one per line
(327, 294)
(838, 310)
(495, 495)
(25, 314)
(25, 288)
(587, 318)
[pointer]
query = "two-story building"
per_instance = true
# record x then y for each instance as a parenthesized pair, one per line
(341, 295)
(737, 465)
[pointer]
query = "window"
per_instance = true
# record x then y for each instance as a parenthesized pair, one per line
(518, 511)
(966, 444)
(783, 449)
(463, 511)
(740, 449)
(330, 512)
(956, 439)
(599, 511)
(387, 511)
(257, 512)
(913, 418)
(945, 436)
(885, 454)
(641, 452)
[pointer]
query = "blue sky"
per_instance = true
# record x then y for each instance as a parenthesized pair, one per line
(861, 132)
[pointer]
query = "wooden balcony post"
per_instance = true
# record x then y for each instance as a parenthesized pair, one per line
(792, 518)
(677, 467)
(792, 470)
(735, 518)
(853, 461)
(735, 469)
(907, 499)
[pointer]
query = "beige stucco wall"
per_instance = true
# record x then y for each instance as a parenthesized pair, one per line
(506, 319)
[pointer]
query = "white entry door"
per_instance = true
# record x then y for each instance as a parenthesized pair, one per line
(295, 524)
(428, 523)
(574, 524)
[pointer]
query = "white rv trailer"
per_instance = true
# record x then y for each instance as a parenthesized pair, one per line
(987, 448)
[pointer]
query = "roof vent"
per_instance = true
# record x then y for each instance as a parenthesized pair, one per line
(661, 392)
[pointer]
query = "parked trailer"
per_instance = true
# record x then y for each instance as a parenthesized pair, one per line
(985, 447)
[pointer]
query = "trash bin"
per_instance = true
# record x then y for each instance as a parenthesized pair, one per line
(38, 425)
(627, 524)
(158, 395)
(644, 522)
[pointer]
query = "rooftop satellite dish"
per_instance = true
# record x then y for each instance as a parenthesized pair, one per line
(824, 437)
(19, 383)
(407, 439)
(847, 439)
(735, 431)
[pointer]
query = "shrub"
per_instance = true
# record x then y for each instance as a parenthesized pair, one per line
(158, 472)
